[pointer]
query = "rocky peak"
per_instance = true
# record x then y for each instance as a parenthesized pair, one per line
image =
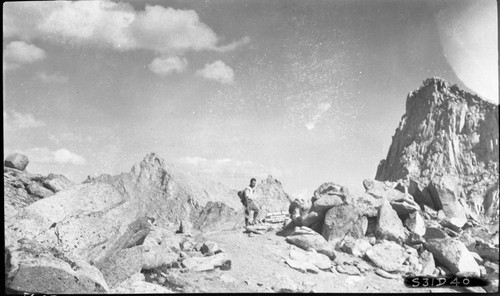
(270, 196)
(445, 131)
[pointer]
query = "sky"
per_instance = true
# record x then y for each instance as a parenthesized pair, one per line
(306, 91)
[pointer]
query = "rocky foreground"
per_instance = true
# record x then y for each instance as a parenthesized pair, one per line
(432, 210)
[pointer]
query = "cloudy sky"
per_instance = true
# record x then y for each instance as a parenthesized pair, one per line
(307, 91)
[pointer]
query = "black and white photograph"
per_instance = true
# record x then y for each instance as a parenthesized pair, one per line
(251, 146)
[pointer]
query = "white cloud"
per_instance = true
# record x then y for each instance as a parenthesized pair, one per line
(60, 156)
(65, 156)
(217, 71)
(227, 168)
(16, 120)
(117, 25)
(69, 137)
(52, 78)
(167, 65)
(17, 53)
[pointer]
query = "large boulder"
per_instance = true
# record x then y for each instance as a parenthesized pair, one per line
(445, 195)
(121, 265)
(415, 223)
(342, 221)
(387, 255)
(326, 202)
(453, 255)
(16, 161)
(309, 219)
(366, 204)
(57, 182)
(329, 195)
(48, 274)
(38, 190)
(487, 250)
(389, 226)
(270, 197)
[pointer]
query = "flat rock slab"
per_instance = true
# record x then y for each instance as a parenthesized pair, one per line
(302, 266)
(319, 260)
(314, 241)
(385, 274)
(348, 269)
(388, 256)
(222, 260)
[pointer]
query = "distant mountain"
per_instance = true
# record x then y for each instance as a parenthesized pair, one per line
(446, 131)
(171, 195)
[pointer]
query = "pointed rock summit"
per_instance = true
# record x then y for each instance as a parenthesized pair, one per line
(446, 131)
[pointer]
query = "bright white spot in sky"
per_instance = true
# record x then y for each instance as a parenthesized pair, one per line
(470, 43)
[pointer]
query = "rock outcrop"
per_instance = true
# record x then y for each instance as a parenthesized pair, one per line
(446, 132)
(270, 196)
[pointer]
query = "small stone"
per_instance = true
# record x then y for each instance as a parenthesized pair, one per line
(385, 274)
(348, 269)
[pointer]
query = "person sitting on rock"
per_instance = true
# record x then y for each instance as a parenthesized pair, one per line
(250, 204)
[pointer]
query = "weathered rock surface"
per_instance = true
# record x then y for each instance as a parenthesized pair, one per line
(57, 182)
(344, 220)
(38, 190)
(427, 261)
(388, 255)
(356, 247)
(446, 132)
(270, 196)
(17, 161)
(302, 266)
(453, 254)
(44, 273)
(432, 233)
(121, 265)
(487, 250)
(389, 226)
(321, 261)
(218, 215)
(445, 196)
